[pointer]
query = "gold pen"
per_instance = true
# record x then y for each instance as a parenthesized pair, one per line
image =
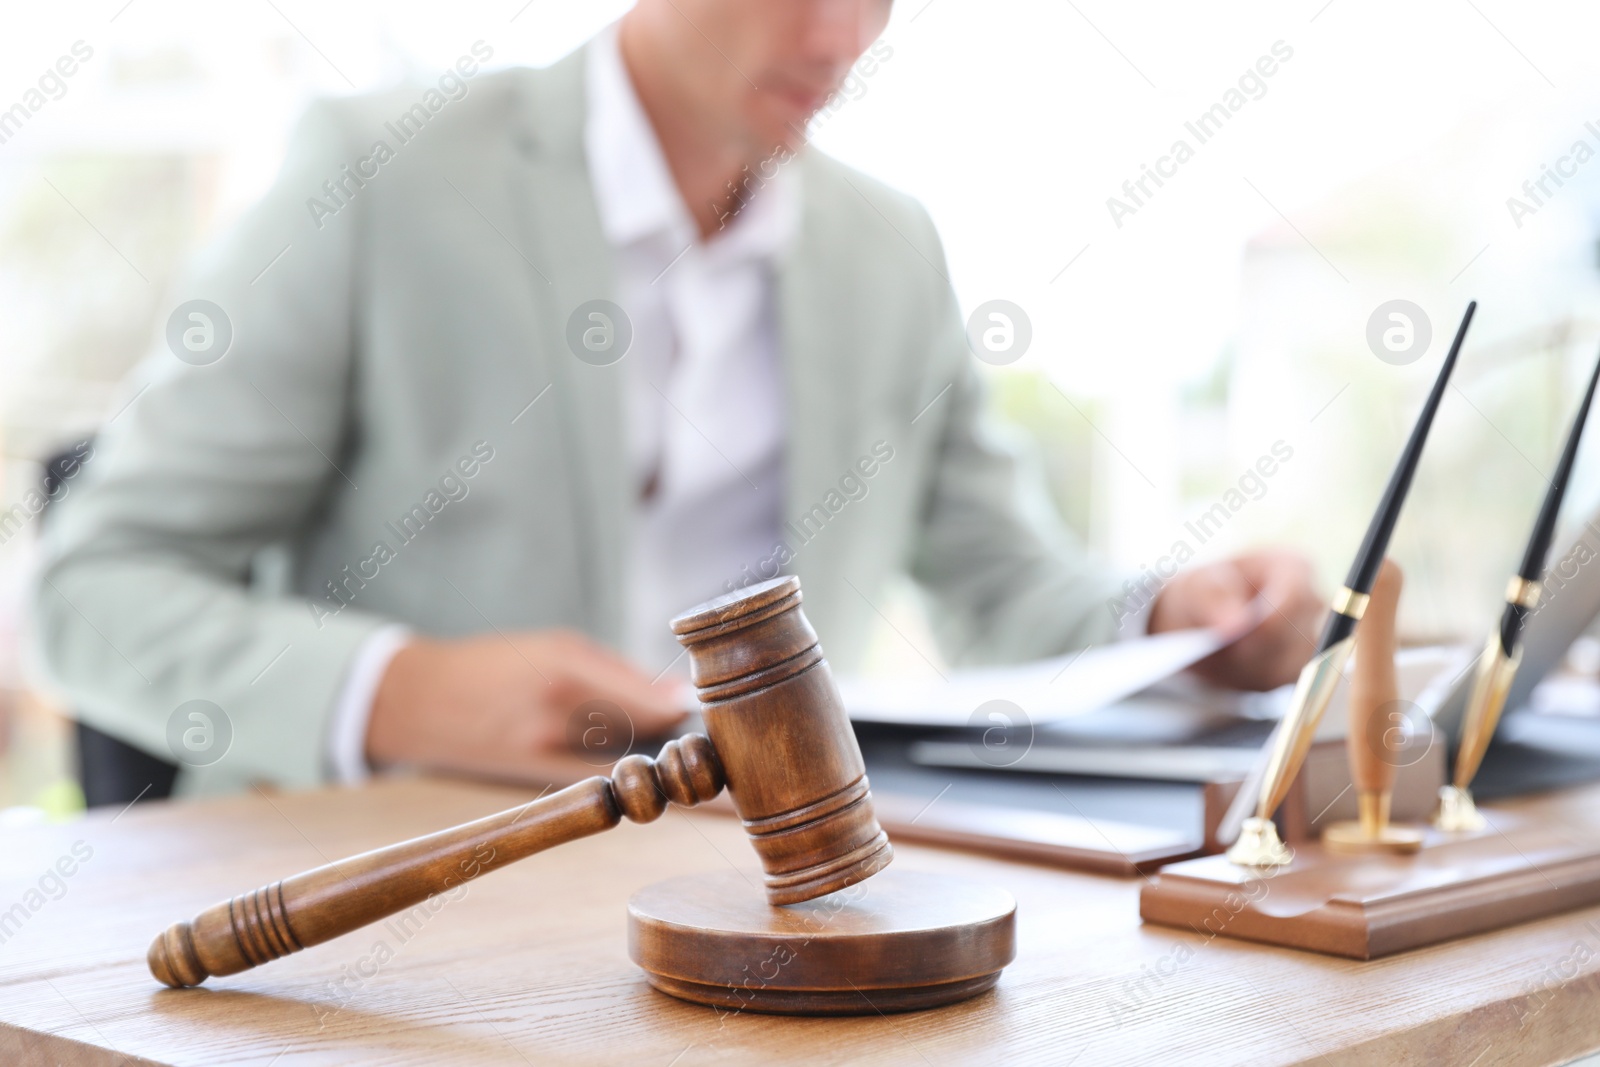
(1502, 654)
(1259, 844)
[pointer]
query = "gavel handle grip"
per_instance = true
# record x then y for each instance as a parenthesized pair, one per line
(334, 899)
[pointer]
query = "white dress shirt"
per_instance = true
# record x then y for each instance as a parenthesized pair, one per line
(704, 385)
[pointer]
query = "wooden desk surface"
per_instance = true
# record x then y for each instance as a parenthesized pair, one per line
(531, 965)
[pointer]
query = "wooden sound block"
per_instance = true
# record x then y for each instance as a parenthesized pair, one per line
(899, 941)
(1366, 906)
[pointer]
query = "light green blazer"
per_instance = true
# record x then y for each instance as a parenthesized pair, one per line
(379, 350)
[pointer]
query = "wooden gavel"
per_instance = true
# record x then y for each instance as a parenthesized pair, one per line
(776, 735)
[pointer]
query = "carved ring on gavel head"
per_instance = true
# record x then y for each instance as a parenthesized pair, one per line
(777, 737)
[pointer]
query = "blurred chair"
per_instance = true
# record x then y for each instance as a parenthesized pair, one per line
(110, 771)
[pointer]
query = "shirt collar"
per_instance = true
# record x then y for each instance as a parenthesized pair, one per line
(633, 187)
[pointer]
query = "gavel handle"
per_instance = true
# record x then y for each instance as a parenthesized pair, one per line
(331, 900)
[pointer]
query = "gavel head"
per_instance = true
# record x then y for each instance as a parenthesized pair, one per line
(780, 731)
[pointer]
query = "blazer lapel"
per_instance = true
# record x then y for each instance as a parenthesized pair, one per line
(562, 239)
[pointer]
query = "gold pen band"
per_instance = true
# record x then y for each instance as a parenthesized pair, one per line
(1351, 603)
(1522, 591)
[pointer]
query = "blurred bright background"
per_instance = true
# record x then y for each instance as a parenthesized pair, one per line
(1172, 347)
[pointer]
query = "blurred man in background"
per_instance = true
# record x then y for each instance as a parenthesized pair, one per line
(505, 372)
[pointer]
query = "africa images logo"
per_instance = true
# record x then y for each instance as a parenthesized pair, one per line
(1251, 85)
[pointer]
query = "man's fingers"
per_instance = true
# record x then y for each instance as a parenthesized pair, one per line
(1292, 619)
(1213, 595)
(590, 672)
(651, 709)
(1275, 649)
(1284, 580)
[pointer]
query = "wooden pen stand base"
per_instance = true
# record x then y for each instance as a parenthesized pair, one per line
(1366, 906)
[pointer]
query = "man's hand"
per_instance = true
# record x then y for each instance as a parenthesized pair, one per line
(1220, 595)
(491, 705)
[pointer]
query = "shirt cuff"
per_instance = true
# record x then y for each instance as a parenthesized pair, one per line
(347, 734)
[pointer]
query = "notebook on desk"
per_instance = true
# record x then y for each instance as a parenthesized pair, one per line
(1108, 825)
(1169, 735)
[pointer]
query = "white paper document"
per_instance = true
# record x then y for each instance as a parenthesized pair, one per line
(1046, 690)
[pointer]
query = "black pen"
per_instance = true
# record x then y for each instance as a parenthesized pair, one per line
(1259, 844)
(1502, 655)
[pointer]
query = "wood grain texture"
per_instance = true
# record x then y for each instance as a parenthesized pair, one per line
(530, 964)
(902, 941)
(1369, 905)
(794, 770)
(1374, 685)
(336, 898)
(1375, 730)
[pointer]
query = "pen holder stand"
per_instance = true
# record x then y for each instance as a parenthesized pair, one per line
(1371, 887)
